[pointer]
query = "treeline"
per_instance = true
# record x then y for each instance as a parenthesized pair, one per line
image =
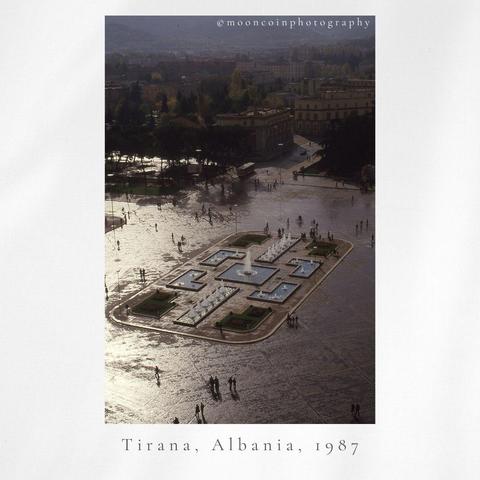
(349, 149)
(213, 96)
(221, 146)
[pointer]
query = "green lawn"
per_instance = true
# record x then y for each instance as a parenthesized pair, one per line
(248, 238)
(246, 320)
(155, 305)
(320, 248)
(313, 169)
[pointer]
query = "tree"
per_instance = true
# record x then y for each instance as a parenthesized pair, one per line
(164, 108)
(235, 89)
(349, 146)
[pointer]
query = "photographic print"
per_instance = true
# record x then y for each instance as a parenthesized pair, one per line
(240, 219)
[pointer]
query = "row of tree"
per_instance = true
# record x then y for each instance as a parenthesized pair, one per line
(220, 146)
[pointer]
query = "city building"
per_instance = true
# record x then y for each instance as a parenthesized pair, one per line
(284, 99)
(271, 130)
(313, 113)
(287, 71)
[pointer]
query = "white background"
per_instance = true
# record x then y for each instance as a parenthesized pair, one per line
(51, 254)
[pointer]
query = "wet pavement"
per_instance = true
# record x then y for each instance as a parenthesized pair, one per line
(307, 375)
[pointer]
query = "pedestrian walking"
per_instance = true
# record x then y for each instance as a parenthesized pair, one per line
(234, 383)
(366, 224)
(173, 238)
(157, 373)
(212, 384)
(202, 407)
(156, 227)
(357, 410)
(230, 381)
(197, 411)
(356, 229)
(216, 384)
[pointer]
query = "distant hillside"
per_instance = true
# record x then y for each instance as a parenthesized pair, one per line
(155, 33)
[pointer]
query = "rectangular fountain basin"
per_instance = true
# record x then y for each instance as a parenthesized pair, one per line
(188, 280)
(220, 256)
(305, 268)
(278, 295)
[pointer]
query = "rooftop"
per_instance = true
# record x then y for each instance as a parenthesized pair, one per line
(264, 112)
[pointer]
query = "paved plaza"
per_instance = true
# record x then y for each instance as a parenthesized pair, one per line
(310, 374)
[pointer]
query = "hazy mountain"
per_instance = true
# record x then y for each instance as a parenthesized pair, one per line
(171, 33)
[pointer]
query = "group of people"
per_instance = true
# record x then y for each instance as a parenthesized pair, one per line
(271, 186)
(314, 232)
(198, 412)
(292, 321)
(142, 275)
(209, 213)
(232, 383)
(357, 229)
(214, 387)
(214, 384)
(180, 242)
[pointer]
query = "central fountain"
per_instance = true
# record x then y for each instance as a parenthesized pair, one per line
(247, 273)
(247, 264)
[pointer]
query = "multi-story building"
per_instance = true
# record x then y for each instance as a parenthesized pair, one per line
(287, 71)
(314, 113)
(271, 130)
(259, 77)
